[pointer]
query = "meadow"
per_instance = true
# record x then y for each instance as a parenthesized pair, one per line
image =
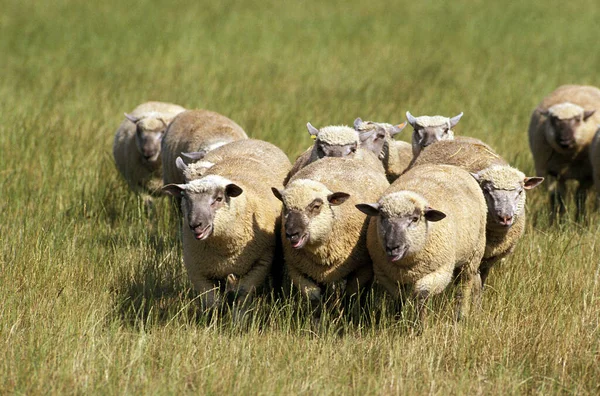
(93, 294)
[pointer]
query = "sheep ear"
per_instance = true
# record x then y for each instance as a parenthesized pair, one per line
(433, 215)
(545, 113)
(587, 114)
(311, 129)
(337, 198)
(278, 194)
(180, 164)
(194, 155)
(357, 123)
(165, 123)
(174, 189)
(369, 209)
(396, 129)
(233, 190)
(475, 176)
(131, 118)
(532, 182)
(454, 120)
(411, 120)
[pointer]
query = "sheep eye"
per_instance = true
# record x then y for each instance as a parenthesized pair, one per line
(219, 199)
(414, 219)
(316, 208)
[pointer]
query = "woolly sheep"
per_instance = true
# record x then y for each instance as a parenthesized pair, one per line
(430, 129)
(595, 160)
(230, 229)
(195, 130)
(251, 149)
(136, 147)
(379, 137)
(324, 235)
(503, 187)
(560, 132)
(428, 224)
(334, 141)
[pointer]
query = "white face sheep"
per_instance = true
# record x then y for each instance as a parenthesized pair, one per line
(149, 130)
(374, 134)
(564, 120)
(428, 130)
(334, 141)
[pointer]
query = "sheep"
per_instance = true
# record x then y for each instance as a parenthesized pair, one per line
(430, 129)
(195, 130)
(595, 160)
(379, 137)
(334, 141)
(324, 241)
(427, 224)
(136, 146)
(561, 129)
(503, 187)
(251, 149)
(230, 229)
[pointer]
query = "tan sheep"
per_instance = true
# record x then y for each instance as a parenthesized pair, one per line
(334, 141)
(503, 187)
(230, 229)
(560, 132)
(195, 130)
(324, 241)
(251, 149)
(595, 160)
(136, 147)
(428, 224)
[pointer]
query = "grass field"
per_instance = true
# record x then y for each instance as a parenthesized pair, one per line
(93, 296)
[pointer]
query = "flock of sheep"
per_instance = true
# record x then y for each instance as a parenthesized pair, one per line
(332, 220)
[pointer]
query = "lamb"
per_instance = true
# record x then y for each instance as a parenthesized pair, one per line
(428, 224)
(595, 160)
(136, 147)
(560, 132)
(251, 149)
(428, 129)
(195, 130)
(503, 187)
(325, 236)
(230, 229)
(379, 138)
(334, 141)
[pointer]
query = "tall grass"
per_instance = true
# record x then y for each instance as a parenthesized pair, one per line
(93, 294)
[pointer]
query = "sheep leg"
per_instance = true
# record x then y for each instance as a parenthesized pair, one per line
(431, 284)
(580, 196)
(485, 267)
(470, 282)
(208, 292)
(556, 190)
(359, 278)
(245, 287)
(308, 288)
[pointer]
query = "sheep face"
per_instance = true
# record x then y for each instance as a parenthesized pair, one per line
(428, 130)
(334, 141)
(202, 200)
(402, 225)
(148, 136)
(563, 123)
(372, 135)
(308, 211)
(504, 191)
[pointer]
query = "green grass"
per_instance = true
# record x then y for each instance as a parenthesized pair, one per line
(93, 296)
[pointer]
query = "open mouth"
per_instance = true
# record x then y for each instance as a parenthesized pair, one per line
(300, 242)
(397, 255)
(566, 144)
(204, 233)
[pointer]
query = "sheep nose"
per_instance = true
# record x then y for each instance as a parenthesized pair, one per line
(505, 220)
(292, 237)
(194, 226)
(391, 249)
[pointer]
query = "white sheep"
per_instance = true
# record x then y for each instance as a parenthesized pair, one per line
(560, 132)
(195, 130)
(136, 147)
(504, 189)
(324, 241)
(428, 224)
(334, 141)
(430, 129)
(379, 138)
(251, 149)
(230, 229)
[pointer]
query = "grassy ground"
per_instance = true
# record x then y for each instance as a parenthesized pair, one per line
(93, 294)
